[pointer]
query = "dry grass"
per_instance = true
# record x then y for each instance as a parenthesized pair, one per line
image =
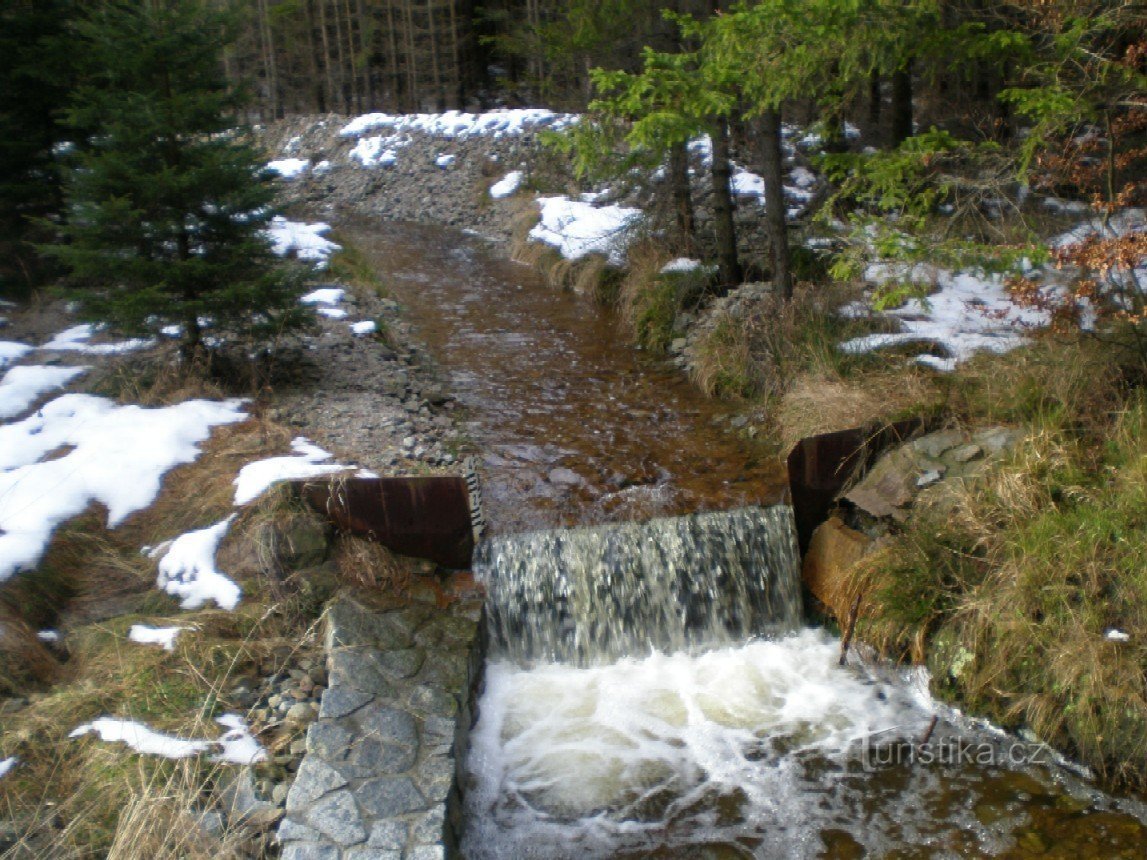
(1007, 586)
(73, 798)
(370, 565)
(819, 401)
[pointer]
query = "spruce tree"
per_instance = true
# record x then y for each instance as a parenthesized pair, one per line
(33, 89)
(167, 205)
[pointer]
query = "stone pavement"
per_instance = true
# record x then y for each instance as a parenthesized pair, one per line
(380, 777)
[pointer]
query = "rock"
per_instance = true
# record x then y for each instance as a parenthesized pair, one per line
(389, 796)
(677, 346)
(738, 422)
(964, 453)
(315, 779)
(832, 553)
(340, 701)
(388, 833)
(309, 851)
(239, 801)
(564, 477)
(300, 713)
(889, 486)
(304, 540)
(337, 816)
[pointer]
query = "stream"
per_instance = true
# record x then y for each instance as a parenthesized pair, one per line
(715, 746)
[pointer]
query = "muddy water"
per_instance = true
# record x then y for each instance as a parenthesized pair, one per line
(576, 427)
(765, 749)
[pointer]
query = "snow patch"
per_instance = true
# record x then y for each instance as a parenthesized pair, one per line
(304, 241)
(507, 185)
(332, 313)
(289, 168)
(187, 568)
(50, 636)
(21, 386)
(444, 161)
(681, 264)
(75, 339)
(163, 636)
(7, 764)
(11, 351)
(236, 745)
(376, 151)
(577, 229)
(457, 124)
(255, 478)
(1114, 635)
(324, 296)
(364, 327)
(104, 452)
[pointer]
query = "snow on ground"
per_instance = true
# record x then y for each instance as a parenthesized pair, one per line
(162, 636)
(444, 161)
(307, 462)
(48, 635)
(7, 764)
(75, 339)
(576, 228)
(80, 449)
(304, 241)
(332, 313)
(681, 264)
(364, 327)
(11, 351)
(187, 569)
(507, 185)
(967, 314)
(324, 296)
(235, 745)
(377, 151)
(22, 386)
(456, 124)
(289, 168)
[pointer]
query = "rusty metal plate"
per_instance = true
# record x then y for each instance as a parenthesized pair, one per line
(820, 466)
(420, 517)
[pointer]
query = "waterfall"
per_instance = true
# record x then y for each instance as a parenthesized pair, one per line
(590, 595)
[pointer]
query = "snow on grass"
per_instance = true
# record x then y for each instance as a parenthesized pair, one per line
(377, 151)
(324, 296)
(681, 264)
(507, 185)
(21, 386)
(1114, 635)
(75, 339)
(48, 635)
(187, 569)
(162, 636)
(969, 313)
(457, 124)
(576, 229)
(332, 313)
(307, 462)
(289, 168)
(11, 351)
(364, 327)
(7, 764)
(235, 745)
(80, 449)
(303, 241)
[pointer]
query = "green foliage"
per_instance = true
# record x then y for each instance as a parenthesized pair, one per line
(166, 204)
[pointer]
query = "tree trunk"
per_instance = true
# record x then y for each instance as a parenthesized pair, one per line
(902, 105)
(728, 265)
(682, 196)
(771, 155)
(331, 102)
(316, 64)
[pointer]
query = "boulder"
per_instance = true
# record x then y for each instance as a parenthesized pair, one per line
(833, 551)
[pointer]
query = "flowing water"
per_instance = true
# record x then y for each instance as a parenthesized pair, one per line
(631, 707)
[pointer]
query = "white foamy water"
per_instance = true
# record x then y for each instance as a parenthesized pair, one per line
(730, 745)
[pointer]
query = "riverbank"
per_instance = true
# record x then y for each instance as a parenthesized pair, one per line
(220, 617)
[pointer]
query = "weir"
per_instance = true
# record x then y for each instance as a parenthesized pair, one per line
(590, 595)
